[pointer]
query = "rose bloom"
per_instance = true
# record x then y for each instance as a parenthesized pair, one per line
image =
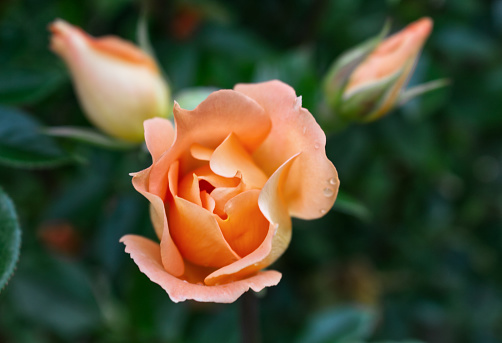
(223, 187)
(118, 85)
(396, 54)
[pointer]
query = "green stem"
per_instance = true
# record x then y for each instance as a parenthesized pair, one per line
(250, 323)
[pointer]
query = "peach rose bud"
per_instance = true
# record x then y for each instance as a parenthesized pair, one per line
(366, 82)
(118, 85)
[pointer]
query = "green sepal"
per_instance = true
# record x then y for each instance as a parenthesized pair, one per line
(339, 73)
(416, 91)
(361, 104)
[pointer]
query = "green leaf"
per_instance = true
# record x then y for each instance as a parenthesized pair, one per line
(24, 86)
(88, 136)
(346, 204)
(10, 239)
(340, 324)
(56, 294)
(23, 145)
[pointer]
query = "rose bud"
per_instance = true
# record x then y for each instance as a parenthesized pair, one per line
(366, 82)
(223, 187)
(118, 85)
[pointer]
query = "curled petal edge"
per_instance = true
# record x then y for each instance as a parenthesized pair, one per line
(146, 254)
(275, 210)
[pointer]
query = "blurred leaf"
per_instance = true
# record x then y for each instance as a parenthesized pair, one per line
(340, 324)
(89, 136)
(127, 216)
(10, 239)
(23, 145)
(56, 294)
(23, 86)
(190, 98)
(346, 204)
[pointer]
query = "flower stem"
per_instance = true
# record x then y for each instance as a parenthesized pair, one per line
(250, 323)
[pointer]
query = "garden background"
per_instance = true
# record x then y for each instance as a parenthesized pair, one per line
(411, 250)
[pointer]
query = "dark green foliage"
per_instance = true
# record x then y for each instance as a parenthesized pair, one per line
(10, 239)
(415, 237)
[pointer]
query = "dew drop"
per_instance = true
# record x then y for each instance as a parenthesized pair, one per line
(328, 192)
(332, 181)
(304, 129)
(323, 211)
(316, 146)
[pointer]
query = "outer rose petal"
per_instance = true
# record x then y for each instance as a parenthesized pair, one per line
(273, 207)
(159, 135)
(146, 254)
(171, 257)
(312, 184)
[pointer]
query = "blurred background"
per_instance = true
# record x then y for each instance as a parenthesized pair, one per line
(411, 251)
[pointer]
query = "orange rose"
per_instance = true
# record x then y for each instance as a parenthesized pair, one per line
(223, 187)
(118, 85)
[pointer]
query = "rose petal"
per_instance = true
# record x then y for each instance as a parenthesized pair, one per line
(222, 112)
(159, 135)
(245, 227)
(312, 184)
(207, 201)
(189, 189)
(201, 152)
(273, 207)
(205, 173)
(146, 255)
(171, 257)
(198, 236)
(222, 194)
(230, 157)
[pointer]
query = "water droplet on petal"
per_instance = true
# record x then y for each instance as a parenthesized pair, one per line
(304, 129)
(332, 181)
(323, 211)
(328, 192)
(316, 146)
